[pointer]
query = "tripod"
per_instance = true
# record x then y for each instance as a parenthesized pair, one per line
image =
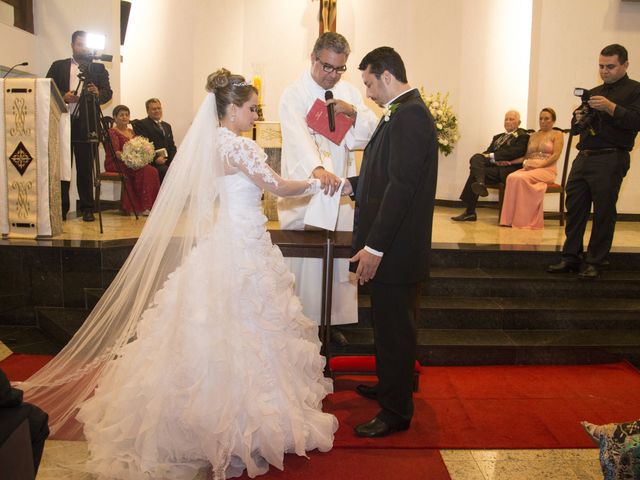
(94, 132)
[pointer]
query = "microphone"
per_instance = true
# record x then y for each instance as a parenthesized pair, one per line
(23, 64)
(328, 95)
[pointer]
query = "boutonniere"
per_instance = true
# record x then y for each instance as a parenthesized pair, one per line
(515, 134)
(388, 110)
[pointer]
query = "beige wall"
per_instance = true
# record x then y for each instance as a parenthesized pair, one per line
(490, 55)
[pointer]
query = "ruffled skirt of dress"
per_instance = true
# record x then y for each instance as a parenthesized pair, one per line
(225, 371)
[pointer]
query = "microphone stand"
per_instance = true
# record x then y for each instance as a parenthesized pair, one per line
(23, 64)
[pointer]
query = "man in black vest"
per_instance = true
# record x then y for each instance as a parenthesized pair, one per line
(494, 164)
(394, 196)
(608, 126)
(159, 133)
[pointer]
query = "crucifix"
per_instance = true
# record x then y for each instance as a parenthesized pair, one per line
(327, 16)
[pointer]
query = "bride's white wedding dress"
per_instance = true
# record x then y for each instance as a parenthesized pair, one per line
(225, 369)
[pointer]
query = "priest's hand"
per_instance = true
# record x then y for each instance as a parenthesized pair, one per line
(367, 266)
(328, 181)
(340, 106)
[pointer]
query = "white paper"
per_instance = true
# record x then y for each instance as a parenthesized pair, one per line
(322, 211)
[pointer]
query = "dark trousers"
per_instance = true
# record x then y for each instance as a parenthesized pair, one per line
(64, 194)
(84, 173)
(483, 171)
(594, 179)
(162, 170)
(393, 310)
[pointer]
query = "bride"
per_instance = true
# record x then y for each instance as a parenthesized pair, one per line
(198, 356)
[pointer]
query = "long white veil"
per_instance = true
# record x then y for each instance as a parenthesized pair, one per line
(183, 212)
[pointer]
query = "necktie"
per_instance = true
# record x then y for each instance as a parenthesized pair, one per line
(501, 141)
(160, 127)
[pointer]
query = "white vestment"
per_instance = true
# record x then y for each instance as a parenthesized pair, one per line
(302, 151)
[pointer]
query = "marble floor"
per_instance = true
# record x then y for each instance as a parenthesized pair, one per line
(485, 231)
(63, 460)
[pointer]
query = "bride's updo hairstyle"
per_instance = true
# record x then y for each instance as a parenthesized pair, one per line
(229, 89)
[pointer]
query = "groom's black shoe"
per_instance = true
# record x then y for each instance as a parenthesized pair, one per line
(370, 392)
(378, 428)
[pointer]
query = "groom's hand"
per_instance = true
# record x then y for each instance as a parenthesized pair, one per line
(367, 266)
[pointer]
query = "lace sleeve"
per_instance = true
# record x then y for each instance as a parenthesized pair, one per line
(246, 156)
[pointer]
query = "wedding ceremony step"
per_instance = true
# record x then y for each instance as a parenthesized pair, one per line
(529, 282)
(60, 324)
(449, 347)
(520, 313)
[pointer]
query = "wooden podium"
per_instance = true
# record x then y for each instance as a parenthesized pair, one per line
(35, 144)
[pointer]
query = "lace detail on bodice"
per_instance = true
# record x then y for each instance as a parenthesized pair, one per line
(240, 153)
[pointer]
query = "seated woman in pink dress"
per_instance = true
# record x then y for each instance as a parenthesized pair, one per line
(144, 183)
(523, 204)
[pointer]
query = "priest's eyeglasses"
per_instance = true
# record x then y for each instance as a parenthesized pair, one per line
(328, 68)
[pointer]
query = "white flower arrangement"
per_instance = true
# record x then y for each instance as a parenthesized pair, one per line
(445, 120)
(137, 153)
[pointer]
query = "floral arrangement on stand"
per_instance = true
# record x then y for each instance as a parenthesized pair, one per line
(445, 120)
(137, 153)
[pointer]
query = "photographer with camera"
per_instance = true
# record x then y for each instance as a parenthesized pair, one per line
(74, 77)
(608, 121)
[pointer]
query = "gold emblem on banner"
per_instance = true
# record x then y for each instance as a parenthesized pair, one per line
(21, 158)
(20, 112)
(23, 206)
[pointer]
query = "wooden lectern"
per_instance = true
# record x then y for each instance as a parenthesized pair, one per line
(35, 144)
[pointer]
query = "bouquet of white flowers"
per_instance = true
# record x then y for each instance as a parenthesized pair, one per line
(445, 120)
(137, 153)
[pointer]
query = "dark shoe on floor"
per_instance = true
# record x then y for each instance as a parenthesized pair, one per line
(465, 217)
(590, 272)
(87, 216)
(563, 267)
(337, 337)
(370, 392)
(377, 428)
(479, 189)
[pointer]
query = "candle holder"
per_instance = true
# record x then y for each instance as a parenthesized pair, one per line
(259, 112)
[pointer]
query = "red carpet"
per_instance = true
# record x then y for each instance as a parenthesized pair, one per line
(20, 366)
(475, 407)
(362, 464)
(499, 407)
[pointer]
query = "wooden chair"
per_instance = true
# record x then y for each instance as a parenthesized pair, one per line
(551, 188)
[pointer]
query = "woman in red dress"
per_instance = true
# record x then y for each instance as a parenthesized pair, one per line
(144, 183)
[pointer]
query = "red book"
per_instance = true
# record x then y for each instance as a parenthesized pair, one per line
(318, 120)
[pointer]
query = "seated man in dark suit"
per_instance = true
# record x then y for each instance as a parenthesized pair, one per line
(11, 404)
(494, 164)
(159, 133)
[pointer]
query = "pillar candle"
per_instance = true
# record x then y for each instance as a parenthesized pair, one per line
(257, 82)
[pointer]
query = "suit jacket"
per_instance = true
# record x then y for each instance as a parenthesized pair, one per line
(149, 129)
(514, 147)
(59, 72)
(98, 75)
(395, 192)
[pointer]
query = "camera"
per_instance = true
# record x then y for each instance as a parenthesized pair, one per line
(584, 117)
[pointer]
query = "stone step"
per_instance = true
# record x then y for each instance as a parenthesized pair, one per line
(60, 324)
(518, 256)
(509, 282)
(517, 313)
(492, 347)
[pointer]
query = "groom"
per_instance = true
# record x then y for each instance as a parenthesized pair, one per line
(394, 197)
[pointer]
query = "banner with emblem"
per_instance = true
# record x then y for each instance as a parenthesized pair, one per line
(21, 155)
(34, 144)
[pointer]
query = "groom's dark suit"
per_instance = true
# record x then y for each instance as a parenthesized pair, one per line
(394, 211)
